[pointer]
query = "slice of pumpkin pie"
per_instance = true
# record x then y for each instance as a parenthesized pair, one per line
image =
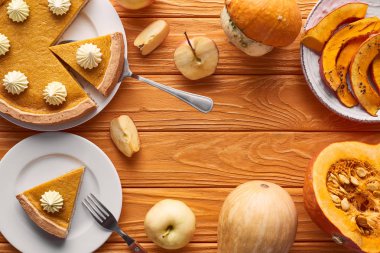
(98, 60)
(51, 205)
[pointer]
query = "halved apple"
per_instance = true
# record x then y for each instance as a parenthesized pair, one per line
(355, 30)
(375, 72)
(363, 90)
(316, 37)
(343, 64)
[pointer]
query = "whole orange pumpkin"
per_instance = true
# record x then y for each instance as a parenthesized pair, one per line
(256, 26)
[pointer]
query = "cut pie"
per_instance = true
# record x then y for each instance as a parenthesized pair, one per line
(107, 74)
(29, 53)
(57, 223)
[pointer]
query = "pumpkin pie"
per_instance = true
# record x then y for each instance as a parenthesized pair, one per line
(29, 53)
(107, 74)
(57, 223)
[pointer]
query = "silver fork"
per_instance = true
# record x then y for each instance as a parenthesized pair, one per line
(199, 102)
(106, 219)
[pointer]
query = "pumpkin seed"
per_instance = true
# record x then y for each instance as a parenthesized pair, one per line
(335, 198)
(361, 172)
(354, 181)
(332, 176)
(361, 220)
(345, 204)
(343, 179)
(373, 186)
(343, 190)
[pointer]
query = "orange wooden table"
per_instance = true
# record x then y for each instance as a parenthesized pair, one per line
(266, 125)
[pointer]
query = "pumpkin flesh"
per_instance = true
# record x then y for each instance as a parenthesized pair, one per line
(274, 23)
(361, 86)
(343, 64)
(341, 194)
(375, 72)
(316, 37)
(353, 31)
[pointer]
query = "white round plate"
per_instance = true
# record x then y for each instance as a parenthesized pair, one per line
(97, 18)
(45, 156)
(310, 62)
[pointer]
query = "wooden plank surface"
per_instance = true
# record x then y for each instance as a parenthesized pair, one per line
(266, 125)
(231, 61)
(191, 9)
(320, 247)
(242, 103)
(211, 160)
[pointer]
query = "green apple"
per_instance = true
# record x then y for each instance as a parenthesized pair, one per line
(135, 4)
(170, 224)
(197, 58)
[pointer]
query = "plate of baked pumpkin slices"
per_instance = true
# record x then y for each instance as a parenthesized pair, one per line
(340, 57)
(48, 85)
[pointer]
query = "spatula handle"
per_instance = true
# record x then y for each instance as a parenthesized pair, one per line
(201, 103)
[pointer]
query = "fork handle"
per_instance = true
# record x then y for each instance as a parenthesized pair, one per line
(137, 248)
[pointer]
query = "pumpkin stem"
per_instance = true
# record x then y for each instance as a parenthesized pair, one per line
(168, 230)
(191, 46)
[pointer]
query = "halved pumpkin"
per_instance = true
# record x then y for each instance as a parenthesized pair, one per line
(368, 98)
(343, 64)
(341, 194)
(316, 37)
(375, 72)
(355, 30)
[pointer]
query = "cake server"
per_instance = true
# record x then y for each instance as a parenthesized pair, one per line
(199, 102)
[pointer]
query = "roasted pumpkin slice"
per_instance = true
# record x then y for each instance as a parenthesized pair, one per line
(375, 72)
(355, 30)
(342, 194)
(361, 86)
(343, 64)
(316, 37)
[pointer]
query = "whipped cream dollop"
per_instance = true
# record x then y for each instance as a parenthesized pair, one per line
(55, 93)
(4, 44)
(59, 7)
(51, 201)
(15, 82)
(89, 56)
(18, 10)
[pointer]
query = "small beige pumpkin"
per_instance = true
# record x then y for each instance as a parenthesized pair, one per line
(257, 217)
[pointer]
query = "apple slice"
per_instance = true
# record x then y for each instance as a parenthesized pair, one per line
(361, 86)
(355, 30)
(316, 37)
(343, 64)
(152, 36)
(375, 72)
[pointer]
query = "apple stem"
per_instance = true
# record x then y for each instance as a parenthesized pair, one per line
(168, 230)
(191, 46)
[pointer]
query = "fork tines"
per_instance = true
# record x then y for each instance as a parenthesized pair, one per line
(96, 208)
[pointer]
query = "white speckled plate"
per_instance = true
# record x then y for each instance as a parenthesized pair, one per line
(310, 63)
(45, 156)
(97, 18)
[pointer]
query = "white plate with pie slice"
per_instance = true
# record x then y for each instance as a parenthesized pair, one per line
(43, 157)
(310, 63)
(97, 18)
